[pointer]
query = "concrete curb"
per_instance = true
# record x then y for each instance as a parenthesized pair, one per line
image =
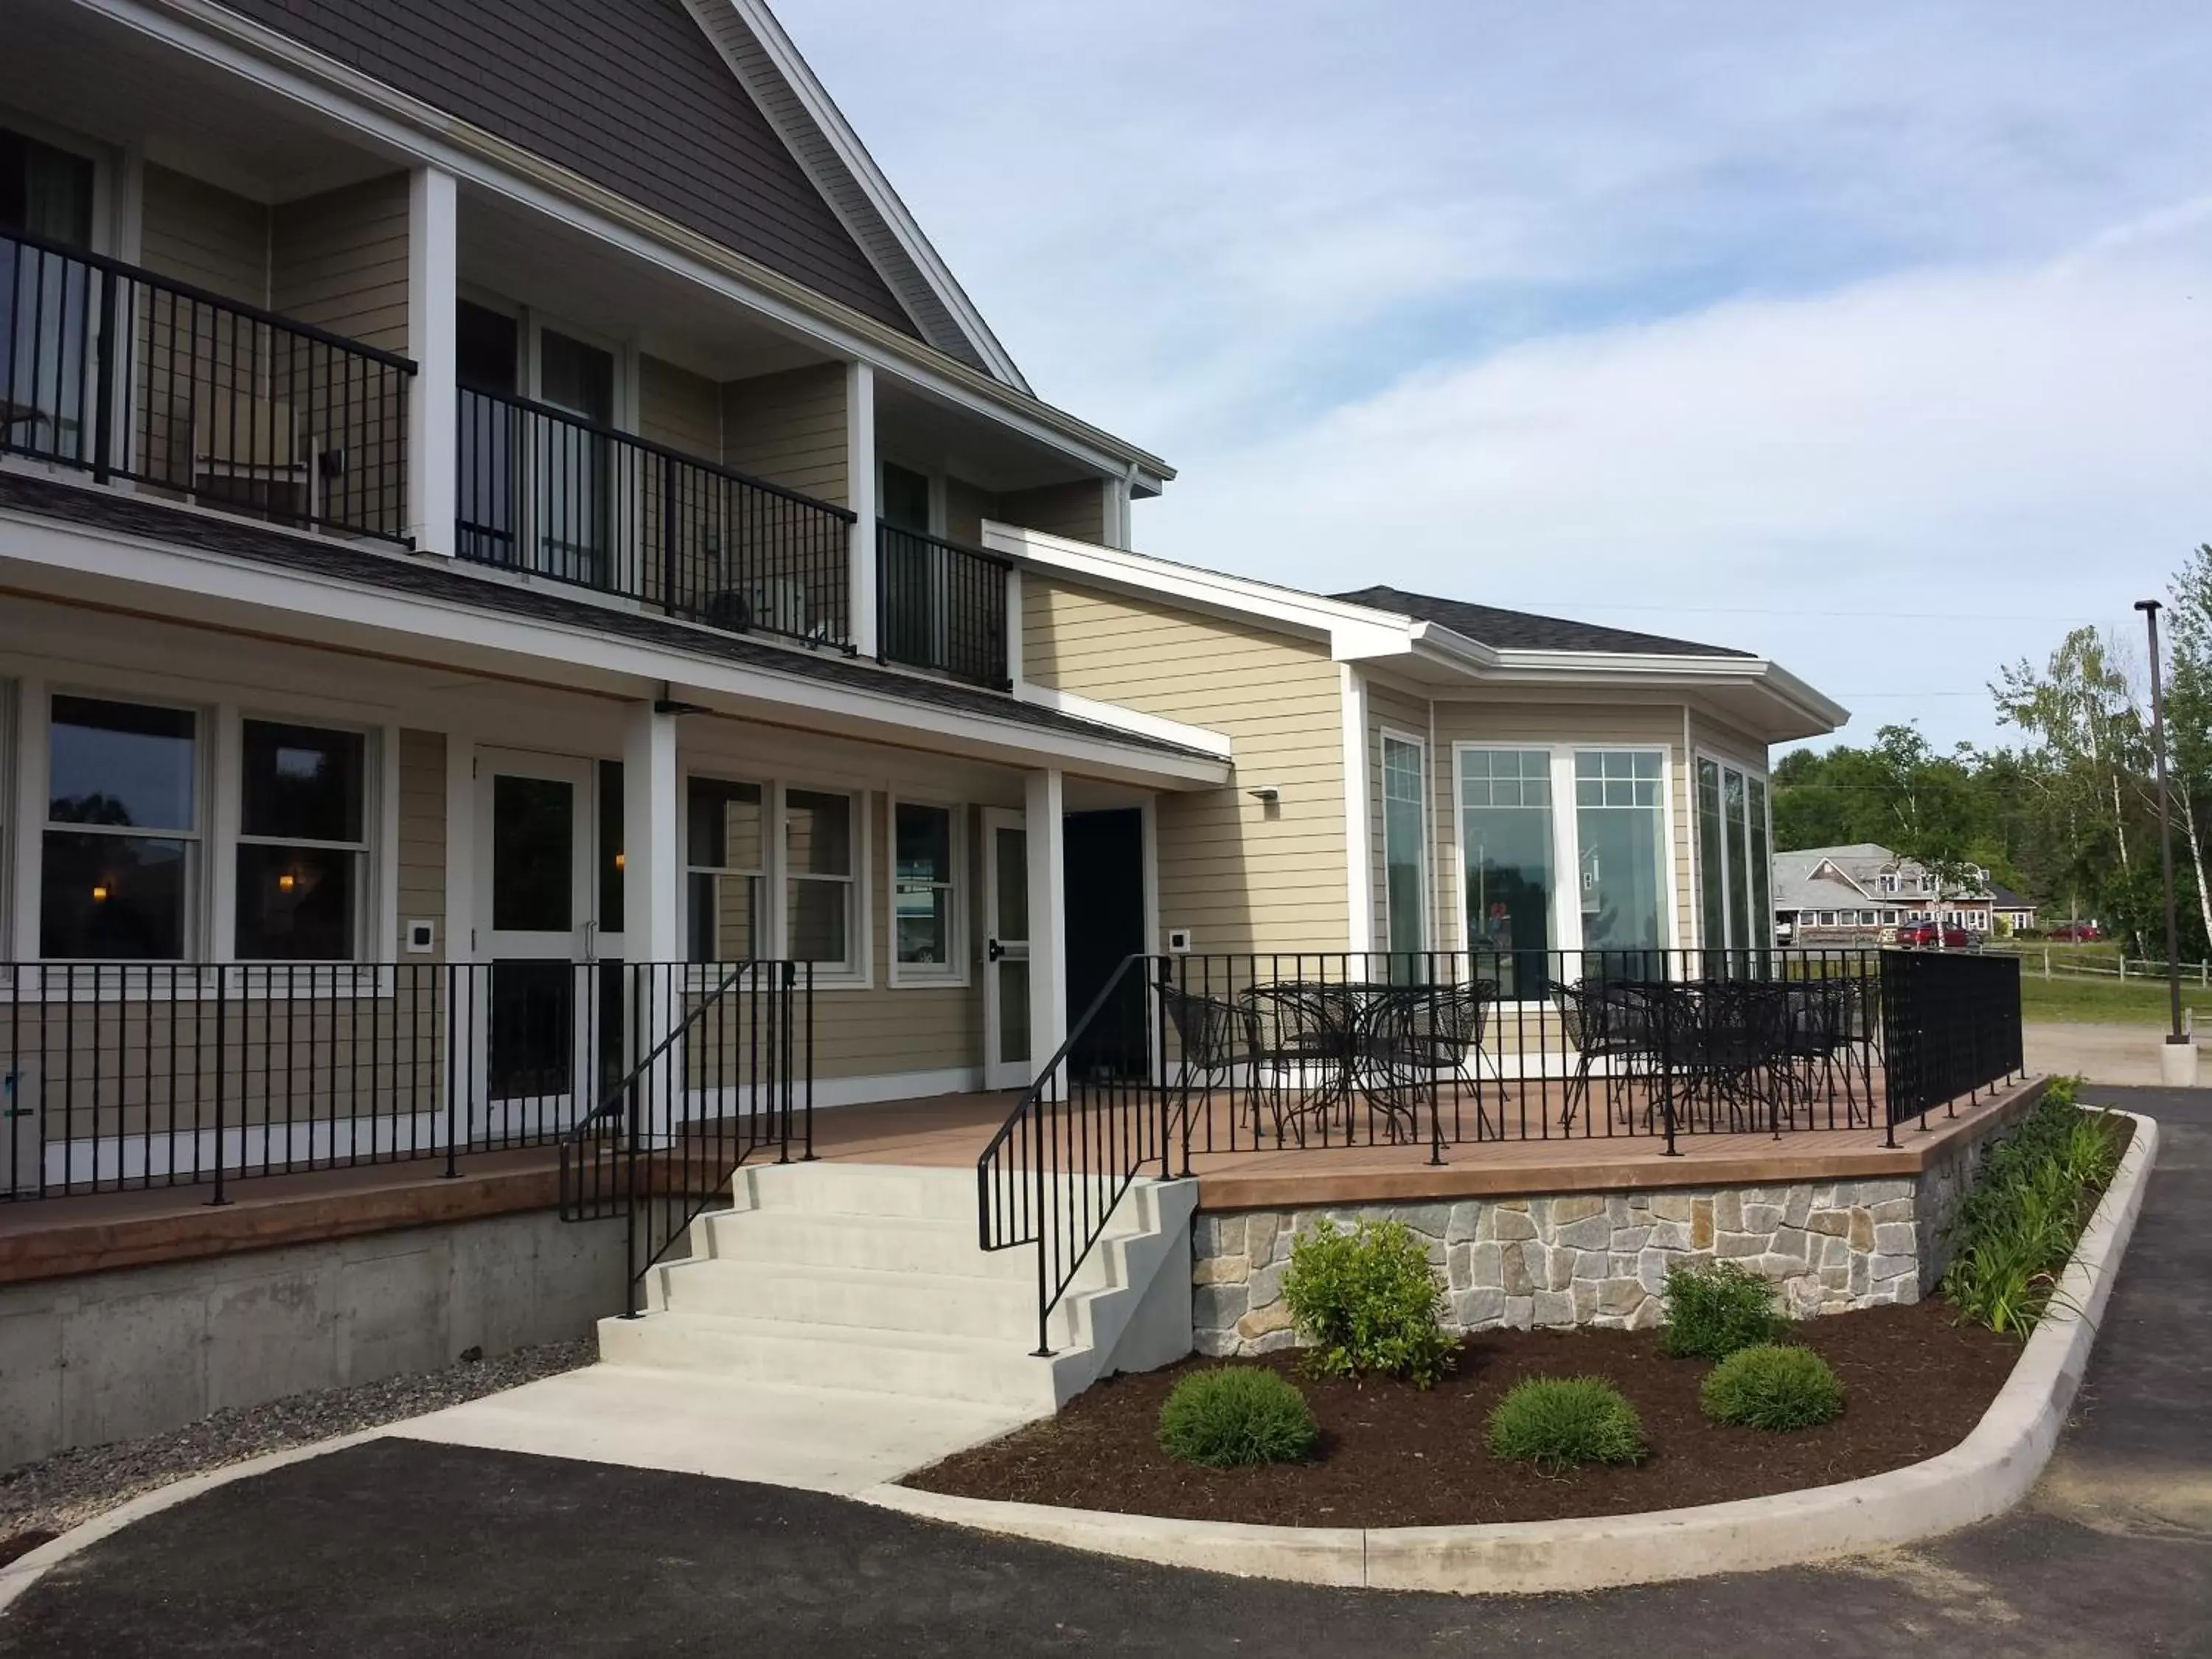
(1984, 1475)
(19, 1575)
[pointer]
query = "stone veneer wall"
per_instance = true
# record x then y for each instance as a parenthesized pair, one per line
(1563, 1259)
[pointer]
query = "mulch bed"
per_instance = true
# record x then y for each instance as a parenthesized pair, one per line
(1392, 1456)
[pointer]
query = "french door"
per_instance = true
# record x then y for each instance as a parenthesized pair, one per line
(1734, 861)
(1006, 1060)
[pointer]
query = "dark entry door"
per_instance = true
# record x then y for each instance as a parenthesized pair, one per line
(1105, 917)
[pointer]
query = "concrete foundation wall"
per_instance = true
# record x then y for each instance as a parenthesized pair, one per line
(139, 1350)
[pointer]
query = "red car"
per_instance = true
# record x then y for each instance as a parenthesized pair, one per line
(2086, 931)
(1950, 935)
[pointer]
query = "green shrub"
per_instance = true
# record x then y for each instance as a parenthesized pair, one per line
(1715, 1308)
(1235, 1416)
(1773, 1388)
(1561, 1423)
(1367, 1301)
(2018, 1222)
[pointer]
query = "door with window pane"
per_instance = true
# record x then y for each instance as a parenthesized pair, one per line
(1006, 950)
(1507, 849)
(46, 299)
(1735, 861)
(535, 817)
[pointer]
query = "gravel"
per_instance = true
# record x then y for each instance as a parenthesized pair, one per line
(39, 1500)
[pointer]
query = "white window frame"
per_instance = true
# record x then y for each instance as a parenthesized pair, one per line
(766, 909)
(1385, 736)
(1749, 773)
(1566, 852)
(230, 770)
(954, 970)
(204, 855)
(858, 972)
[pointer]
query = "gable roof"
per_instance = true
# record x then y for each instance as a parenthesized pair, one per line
(1520, 630)
(698, 110)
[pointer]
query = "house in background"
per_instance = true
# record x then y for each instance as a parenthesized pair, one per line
(1862, 894)
(2013, 910)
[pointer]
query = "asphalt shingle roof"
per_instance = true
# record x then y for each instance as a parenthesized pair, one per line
(1520, 630)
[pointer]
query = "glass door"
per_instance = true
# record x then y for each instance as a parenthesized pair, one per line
(536, 1003)
(1006, 1062)
(572, 462)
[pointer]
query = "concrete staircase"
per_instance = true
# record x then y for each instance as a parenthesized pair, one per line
(868, 1277)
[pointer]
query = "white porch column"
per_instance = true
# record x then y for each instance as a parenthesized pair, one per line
(652, 849)
(1359, 856)
(433, 422)
(860, 496)
(1045, 802)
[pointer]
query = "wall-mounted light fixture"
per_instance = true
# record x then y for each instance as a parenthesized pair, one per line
(1268, 792)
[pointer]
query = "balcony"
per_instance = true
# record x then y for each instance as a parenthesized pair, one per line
(941, 606)
(112, 370)
(547, 492)
(148, 382)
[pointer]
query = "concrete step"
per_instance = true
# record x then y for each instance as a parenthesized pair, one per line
(806, 1293)
(981, 1371)
(877, 1189)
(887, 1244)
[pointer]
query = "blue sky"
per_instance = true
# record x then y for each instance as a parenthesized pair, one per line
(1877, 339)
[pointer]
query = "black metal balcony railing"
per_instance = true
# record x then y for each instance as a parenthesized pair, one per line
(941, 606)
(114, 371)
(548, 492)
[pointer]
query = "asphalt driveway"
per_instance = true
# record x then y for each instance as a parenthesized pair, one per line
(403, 1547)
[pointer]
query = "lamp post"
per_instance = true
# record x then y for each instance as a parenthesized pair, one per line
(2178, 1062)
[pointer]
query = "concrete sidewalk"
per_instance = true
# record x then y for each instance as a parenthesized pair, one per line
(2123, 1056)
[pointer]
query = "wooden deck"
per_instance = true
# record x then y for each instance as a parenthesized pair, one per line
(53, 1237)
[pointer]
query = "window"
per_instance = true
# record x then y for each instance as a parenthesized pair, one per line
(925, 906)
(1735, 859)
(725, 849)
(823, 909)
(1827, 918)
(302, 844)
(1620, 834)
(119, 875)
(1889, 883)
(1405, 890)
(1506, 847)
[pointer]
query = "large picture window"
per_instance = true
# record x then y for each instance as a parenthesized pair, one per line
(119, 877)
(1507, 850)
(925, 904)
(1405, 798)
(302, 844)
(822, 906)
(725, 845)
(1620, 837)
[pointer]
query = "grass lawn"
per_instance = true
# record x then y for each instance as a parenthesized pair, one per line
(2106, 1001)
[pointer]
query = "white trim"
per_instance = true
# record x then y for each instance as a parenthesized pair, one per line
(225, 815)
(1359, 850)
(565, 651)
(1015, 681)
(1390, 734)
(1135, 721)
(850, 181)
(433, 419)
(460, 941)
(863, 486)
(954, 970)
(1044, 805)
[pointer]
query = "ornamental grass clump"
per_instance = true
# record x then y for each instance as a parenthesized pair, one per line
(1560, 1423)
(1236, 1416)
(1368, 1302)
(2018, 1222)
(1772, 1388)
(1715, 1308)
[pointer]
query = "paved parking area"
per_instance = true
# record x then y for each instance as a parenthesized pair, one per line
(406, 1547)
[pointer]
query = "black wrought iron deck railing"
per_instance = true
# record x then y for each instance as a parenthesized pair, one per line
(731, 1076)
(547, 492)
(1185, 1057)
(941, 606)
(117, 1077)
(112, 370)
